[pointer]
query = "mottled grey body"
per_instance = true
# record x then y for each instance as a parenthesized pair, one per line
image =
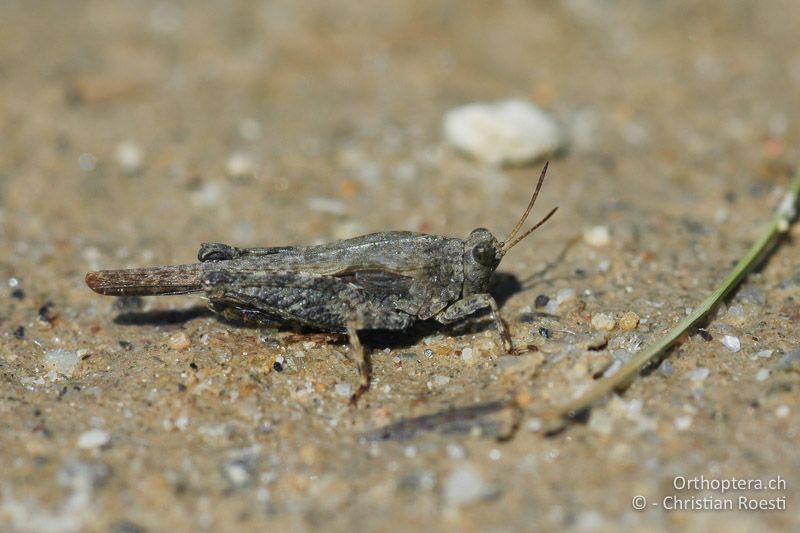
(386, 280)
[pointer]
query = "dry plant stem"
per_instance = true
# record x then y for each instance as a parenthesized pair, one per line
(784, 214)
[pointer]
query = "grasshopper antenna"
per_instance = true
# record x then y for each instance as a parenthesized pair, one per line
(510, 245)
(506, 245)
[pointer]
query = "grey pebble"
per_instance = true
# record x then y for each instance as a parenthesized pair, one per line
(666, 368)
(751, 295)
(790, 362)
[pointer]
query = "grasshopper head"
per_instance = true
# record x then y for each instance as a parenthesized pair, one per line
(482, 252)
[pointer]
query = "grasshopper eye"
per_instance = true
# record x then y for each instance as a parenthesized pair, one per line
(484, 255)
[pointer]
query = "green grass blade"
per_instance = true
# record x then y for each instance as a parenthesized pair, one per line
(784, 214)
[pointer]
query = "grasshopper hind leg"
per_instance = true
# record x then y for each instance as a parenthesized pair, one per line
(303, 299)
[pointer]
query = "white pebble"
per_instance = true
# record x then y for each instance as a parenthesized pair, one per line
(552, 307)
(129, 157)
(236, 474)
(764, 353)
(94, 438)
(347, 229)
(535, 424)
(240, 165)
(441, 380)
(699, 374)
(589, 521)
(31, 380)
(464, 486)
(503, 132)
(565, 295)
(62, 361)
(601, 423)
(323, 204)
(736, 311)
(597, 236)
(603, 322)
(682, 423)
(732, 343)
(762, 374)
(782, 411)
(182, 422)
(456, 451)
(613, 368)
(343, 389)
(466, 355)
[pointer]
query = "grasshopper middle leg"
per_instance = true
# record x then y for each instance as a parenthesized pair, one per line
(469, 305)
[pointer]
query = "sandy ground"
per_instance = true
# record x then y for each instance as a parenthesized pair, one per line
(132, 131)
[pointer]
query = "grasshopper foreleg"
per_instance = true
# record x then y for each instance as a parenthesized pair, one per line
(471, 304)
(359, 354)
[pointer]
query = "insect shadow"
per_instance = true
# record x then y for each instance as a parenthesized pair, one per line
(162, 317)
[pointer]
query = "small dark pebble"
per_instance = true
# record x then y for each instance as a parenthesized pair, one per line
(581, 273)
(125, 345)
(193, 365)
(415, 481)
(19, 294)
(541, 300)
(694, 227)
(124, 526)
(181, 387)
(277, 366)
(544, 332)
(706, 336)
(45, 313)
(20, 332)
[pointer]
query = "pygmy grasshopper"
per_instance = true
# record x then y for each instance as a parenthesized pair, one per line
(381, 281)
